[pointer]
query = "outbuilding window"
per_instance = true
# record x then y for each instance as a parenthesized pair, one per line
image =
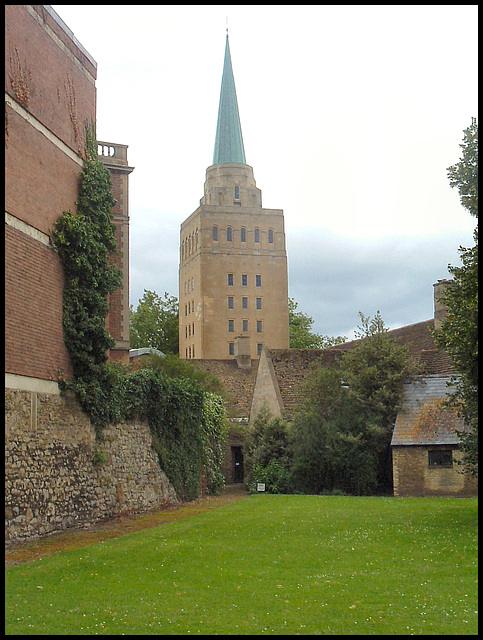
(440, 458)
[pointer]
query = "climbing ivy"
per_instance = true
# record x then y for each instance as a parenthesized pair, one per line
(187, 423)
(84, 241)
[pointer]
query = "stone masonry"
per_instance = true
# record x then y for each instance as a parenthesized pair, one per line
(58, 476)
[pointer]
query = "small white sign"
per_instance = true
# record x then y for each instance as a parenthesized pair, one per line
(261, 486)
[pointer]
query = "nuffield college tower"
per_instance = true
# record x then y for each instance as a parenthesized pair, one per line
(233, 285)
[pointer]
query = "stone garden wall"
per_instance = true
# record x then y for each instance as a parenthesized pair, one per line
(57, 476)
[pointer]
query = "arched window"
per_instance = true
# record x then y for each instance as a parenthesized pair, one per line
(270, 236)
(257, 235)
(215, 233)
(237, 193)
(229, 234)
(243, 234)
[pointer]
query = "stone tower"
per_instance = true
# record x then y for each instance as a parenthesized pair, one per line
(233, 284)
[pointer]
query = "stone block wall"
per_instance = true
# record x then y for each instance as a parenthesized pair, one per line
(413, 476)
(57, 476)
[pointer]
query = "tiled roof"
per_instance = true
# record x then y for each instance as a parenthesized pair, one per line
(421, 346)
(292, 367)
(239, 383)
(423, 419)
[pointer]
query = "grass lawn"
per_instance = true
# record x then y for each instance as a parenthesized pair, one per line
(265, 565)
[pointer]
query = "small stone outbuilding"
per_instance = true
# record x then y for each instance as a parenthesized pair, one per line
(425, 445)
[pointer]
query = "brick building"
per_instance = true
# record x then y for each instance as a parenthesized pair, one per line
(50, 94)
(52, 481)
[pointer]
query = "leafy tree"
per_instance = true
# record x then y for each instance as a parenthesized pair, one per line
(343, 429)
(300, 331)
(374, 371)
(329, 453)
(155, 322)
(268, 453)
(459, 332)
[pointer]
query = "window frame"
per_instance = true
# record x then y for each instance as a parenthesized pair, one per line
(436, 458)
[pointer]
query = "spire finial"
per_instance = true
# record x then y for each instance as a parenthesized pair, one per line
(227, 26)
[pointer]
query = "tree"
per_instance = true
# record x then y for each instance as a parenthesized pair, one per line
(155, 322)
(343, 429)
(300, 334)
(459, 332)
(374, 371)
(268, 453)
(329, 453)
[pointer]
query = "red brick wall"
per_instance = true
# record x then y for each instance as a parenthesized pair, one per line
(58, 93)
(34, 344)
(41, 181)
(46, 83)
(118, 321)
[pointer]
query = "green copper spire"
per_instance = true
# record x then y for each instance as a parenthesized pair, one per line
(229, 140)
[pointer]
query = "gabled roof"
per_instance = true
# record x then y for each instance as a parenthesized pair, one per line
(423, 419)
(421, 346)
(292, 366)
(229, 140)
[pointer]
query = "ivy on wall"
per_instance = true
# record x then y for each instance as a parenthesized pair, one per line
(188, 424)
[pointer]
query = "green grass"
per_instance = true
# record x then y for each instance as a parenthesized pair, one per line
(266, 565)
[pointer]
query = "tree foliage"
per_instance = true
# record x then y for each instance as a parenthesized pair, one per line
(343, 429)
(268, 453)
(154, 323)
(300, 331)
(459, 332)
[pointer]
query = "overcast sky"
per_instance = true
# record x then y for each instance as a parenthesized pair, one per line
(350, 116)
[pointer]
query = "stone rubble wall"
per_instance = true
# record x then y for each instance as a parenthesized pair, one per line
(58, 476)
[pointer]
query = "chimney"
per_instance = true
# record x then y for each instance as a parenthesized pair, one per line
(242, 352)
(440, 309)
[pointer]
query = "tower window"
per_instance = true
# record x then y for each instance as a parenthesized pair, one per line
(215, 234)
(259, 303)
(270, 236)
(231, 326)
(259, 326)
(230, 302)
(258, 280)
(237, 193)
(245, 326)
(231, 348)
(243, 234)
(244, 302)
(229, 234)
(230, 279)
(257, 235)
(259, 349)
(244, 280)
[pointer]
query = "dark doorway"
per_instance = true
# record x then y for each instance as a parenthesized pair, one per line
(237, 463)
